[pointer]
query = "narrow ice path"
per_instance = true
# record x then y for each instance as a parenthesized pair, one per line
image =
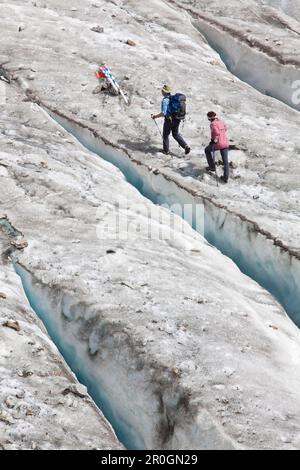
(255, 252)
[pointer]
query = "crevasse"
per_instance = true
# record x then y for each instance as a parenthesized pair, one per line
(273, 267)
(255, 254)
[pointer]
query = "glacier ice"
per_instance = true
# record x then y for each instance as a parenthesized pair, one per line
(170, 322)
(257, 256)
(290, 7)
(49, 309)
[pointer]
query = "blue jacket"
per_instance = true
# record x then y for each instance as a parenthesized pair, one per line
(165, 106)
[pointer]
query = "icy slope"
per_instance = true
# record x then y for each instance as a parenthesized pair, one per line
(270, 263)
(263, 196)
(42, 405)
(57, 51)
(290, 7)
(210, 358)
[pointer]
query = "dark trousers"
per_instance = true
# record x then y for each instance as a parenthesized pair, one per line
(172, 125)
(210, 155)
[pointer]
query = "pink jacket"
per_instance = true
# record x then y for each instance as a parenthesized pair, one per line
(218, 134)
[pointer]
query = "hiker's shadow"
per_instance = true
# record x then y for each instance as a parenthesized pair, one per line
(140, 146)
(191, 170)
(195, 171)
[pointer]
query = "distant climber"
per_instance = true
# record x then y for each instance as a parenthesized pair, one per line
(104, 83)
(108, 83)
(219, 141)
(173, 109)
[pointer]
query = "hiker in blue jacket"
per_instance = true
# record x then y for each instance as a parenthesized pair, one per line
(172, 122)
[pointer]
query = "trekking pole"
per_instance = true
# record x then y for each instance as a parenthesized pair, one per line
(181, 132)
(214, 157)
(158, 128)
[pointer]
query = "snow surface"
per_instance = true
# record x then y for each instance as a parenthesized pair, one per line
(34, 411)
(209, 356)
(270, 265)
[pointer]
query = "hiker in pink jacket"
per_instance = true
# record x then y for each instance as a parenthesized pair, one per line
(219, 141)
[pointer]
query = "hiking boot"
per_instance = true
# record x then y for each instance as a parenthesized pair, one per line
(225, 180)
(165, 152)
(187, 150)
(210, 170)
